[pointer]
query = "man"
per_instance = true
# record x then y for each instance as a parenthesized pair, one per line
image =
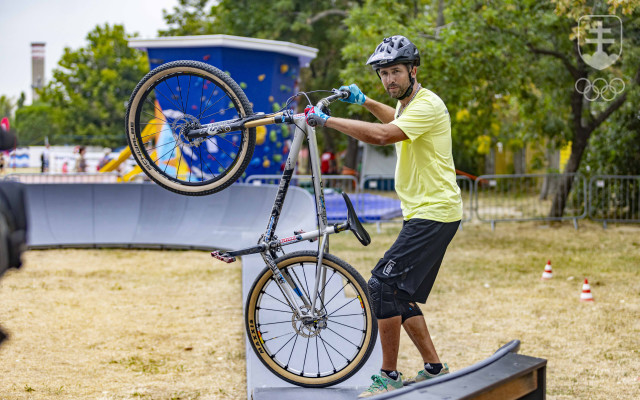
(425, 181)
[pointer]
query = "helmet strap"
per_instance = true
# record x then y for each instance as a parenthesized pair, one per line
(410, 88)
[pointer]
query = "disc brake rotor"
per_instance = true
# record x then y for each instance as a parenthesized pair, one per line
(183, 125)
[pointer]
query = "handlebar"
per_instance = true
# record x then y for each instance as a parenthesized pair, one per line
(338, 94)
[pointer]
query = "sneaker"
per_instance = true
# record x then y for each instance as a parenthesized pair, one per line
(423, 375)
(382, 384)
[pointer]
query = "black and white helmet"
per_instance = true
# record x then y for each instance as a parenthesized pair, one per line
(394, 50)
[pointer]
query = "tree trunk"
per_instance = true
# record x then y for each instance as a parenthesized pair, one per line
(565, 183)
(351, 157)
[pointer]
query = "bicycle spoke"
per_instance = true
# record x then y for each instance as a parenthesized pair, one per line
(345, 315)
(179, 162)
(272, 309)
(273, 323)
(209, 107)
(162, 145)
(201, 96)
(344, 305)
(179, 90)
(162, 156)
(219, 148)
(304, 362)
(292, 348)
(167, 163)
(328, 355)
(276, 337)
(174, 96)
(317, 356)
(230, 142)
(277, 299)
(188, 90)
(221, 111)
(292, 336)
(344, 338)
(153, 104)
(349, 326)
(299, 283)
(305, 278)
(334, 349)
(337, 293)
(201, 169)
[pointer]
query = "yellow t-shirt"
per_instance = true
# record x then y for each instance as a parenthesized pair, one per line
(425, 178)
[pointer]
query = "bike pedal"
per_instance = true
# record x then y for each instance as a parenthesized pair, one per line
(223, 256)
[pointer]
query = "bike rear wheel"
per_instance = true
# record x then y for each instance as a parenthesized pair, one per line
(312, 355)
(174, 98)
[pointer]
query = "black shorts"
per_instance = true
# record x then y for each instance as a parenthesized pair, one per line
(413, 261)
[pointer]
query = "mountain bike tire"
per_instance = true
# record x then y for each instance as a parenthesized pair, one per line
(312, 356)
(188, 94)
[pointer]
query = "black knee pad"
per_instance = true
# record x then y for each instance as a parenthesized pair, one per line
(383, 299)
(409, 310)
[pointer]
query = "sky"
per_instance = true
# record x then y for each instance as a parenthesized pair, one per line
(60, 24)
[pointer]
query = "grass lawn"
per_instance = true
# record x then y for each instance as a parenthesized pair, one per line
(121, 324)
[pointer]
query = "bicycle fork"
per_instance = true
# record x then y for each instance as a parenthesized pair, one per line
(293, 291)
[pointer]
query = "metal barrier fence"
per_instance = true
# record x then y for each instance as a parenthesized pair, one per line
(614, 198)
(384, 183)
(64, 178)
(529, 197)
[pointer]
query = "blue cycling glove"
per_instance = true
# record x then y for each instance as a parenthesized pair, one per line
(356, 96)
(315, 116)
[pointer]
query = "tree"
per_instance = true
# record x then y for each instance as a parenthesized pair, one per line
(33, 123)
(6, 107)
(91, 86)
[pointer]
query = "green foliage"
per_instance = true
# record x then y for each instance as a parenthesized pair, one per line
(33, 123)
(503, 68)
(90, 87)
(6, 107)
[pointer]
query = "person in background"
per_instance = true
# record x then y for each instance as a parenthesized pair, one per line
(81, 162)
(105, 159)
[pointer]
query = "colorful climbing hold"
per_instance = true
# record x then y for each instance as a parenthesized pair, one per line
(261, 133)
(261, 77)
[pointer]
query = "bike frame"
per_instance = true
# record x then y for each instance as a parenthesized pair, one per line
(269, 243)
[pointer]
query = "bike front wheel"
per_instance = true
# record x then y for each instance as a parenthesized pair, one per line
(317, 353)
(170, 101)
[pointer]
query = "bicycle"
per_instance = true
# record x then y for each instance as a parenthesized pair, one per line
(304, 301)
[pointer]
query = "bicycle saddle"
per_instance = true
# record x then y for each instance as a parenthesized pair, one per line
(353, 223)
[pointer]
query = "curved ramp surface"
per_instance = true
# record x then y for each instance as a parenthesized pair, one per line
(505, 375)
(147, 216)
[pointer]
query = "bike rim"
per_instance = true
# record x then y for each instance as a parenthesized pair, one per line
(180, 98)
(314, 356)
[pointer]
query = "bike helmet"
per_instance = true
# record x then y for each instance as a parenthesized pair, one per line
(394, 50)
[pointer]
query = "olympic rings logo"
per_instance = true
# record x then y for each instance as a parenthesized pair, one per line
(600, 88)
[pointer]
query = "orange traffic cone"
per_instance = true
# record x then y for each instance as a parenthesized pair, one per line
(586, 291)
(548, 273)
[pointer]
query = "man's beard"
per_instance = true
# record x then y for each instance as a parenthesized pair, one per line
(400, 91)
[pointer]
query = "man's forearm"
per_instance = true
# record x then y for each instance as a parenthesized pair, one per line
(381, 111)
(368, 132)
